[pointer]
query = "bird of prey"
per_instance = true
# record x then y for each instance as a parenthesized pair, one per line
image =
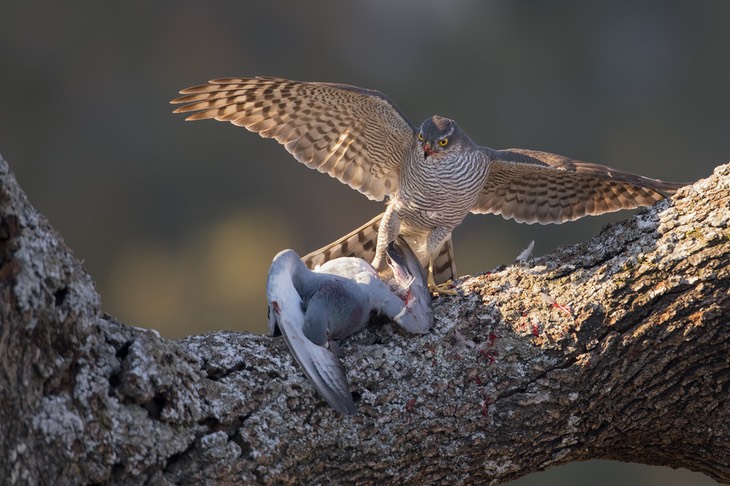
(433, 175)
(312, 309)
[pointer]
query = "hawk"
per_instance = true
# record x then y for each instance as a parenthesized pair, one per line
(433, 175)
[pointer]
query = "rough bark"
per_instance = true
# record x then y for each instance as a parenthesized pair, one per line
(617, 348)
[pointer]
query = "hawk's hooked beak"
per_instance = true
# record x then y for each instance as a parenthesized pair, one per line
(427, 150)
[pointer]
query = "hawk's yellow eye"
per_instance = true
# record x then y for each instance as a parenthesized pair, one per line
(420, 137)
(444, 142)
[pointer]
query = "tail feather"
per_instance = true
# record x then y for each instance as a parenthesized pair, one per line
(361, 243)
(443, 265)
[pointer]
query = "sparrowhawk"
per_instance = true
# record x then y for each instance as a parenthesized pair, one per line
(314, 308)
(433, 175)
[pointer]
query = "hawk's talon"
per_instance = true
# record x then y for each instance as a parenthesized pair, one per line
(446, 288)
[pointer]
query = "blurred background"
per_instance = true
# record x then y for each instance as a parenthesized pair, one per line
(178, 222)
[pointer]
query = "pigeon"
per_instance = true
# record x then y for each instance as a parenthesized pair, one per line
(313, 309)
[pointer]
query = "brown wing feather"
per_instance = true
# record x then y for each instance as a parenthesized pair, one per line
(353, 134)
(539, 187)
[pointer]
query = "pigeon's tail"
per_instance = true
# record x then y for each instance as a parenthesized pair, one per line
(361, 243)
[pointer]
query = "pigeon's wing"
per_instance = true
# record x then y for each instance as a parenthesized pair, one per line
(539, 187)
(404, 262)
(324, 370)
(415, 315)
(322, 367)
(356, 135)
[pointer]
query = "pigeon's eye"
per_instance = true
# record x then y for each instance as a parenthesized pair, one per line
(420, 137)
(444, 142)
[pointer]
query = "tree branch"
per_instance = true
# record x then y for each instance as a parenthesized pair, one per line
(617, 348)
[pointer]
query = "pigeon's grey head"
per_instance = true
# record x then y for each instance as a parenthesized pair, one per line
(318, 317)
(332, 312)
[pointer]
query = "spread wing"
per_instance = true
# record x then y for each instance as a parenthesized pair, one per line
(323, 368)
(355, 135)
(539, 187)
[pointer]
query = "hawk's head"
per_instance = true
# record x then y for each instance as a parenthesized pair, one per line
(438, 134)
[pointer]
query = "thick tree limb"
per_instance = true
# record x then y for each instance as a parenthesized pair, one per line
(618, 348)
